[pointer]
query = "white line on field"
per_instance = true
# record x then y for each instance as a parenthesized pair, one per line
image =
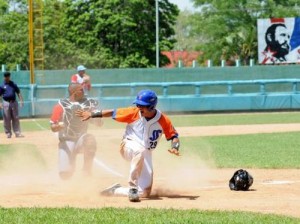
(99, 163)
(277, 182)
(271, 182)
(37, 124)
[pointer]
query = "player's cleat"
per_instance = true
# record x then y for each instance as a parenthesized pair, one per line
(19, 136)
(133, 195)
(110, 190)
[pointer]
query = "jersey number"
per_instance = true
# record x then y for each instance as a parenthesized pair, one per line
(153, 145)
(155, 136)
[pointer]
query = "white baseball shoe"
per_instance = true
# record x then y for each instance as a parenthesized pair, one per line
(133, 195)
(110, 190)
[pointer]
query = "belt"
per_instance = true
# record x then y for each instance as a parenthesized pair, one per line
(10, 101)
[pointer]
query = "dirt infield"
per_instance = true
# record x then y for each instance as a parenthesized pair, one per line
(179, 182)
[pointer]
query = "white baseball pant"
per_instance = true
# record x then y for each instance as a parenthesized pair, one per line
(141, 168)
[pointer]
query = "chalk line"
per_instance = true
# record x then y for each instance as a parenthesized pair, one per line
(100, 163)
(40, 126)
(278, 182)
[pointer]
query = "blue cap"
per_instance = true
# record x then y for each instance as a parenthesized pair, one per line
(146, 98)
(81, 68)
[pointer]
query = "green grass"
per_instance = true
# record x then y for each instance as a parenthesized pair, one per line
(276, 150)
(235, 119)
(188, 120)
(33, 125)
(129, 215)
(280, 150)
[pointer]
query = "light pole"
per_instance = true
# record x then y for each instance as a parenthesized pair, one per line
(157, 34)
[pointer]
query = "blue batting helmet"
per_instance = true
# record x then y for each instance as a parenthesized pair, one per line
(146, 98)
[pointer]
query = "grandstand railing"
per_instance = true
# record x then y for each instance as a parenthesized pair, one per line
(39, 101)
(165, 85)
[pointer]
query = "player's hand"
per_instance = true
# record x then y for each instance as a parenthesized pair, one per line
(85, 115)
(86, 78)
(174, 151)
(55, 127)
(61, 124)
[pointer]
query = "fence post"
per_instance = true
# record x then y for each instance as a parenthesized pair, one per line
(223, 63)
(229, 89)
(3, 68)
(262, 89)
(294, 87)
(165, 90)
(197, 90)
(132, 90)
(209, 63)
(32, 98)
(237, 63)
(179, 64)
(18, 67)
(251, 62)
(194, 64)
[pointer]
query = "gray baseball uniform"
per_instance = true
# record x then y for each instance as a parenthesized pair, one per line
(73, 138)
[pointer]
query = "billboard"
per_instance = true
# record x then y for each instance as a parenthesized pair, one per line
(278, 40)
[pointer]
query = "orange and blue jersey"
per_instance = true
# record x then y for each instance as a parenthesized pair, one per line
(146, 132)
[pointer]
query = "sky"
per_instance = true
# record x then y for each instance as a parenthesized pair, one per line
(183, 4)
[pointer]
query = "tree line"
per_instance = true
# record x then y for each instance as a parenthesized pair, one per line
(96, 33)
(227, 29)
(121, 33)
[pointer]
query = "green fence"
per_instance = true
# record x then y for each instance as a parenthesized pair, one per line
(179, 89)
(41, 98)
(101, 76)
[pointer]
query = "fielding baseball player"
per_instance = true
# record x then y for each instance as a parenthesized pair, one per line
(145, 126)
(82, 78)
(72, 132)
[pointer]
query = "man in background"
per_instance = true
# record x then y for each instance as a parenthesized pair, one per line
(11, 121)
(82, 78)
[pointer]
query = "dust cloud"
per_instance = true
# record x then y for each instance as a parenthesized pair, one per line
(185, 173)
(28, 176)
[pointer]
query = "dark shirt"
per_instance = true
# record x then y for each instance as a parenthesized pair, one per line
(9, 90)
